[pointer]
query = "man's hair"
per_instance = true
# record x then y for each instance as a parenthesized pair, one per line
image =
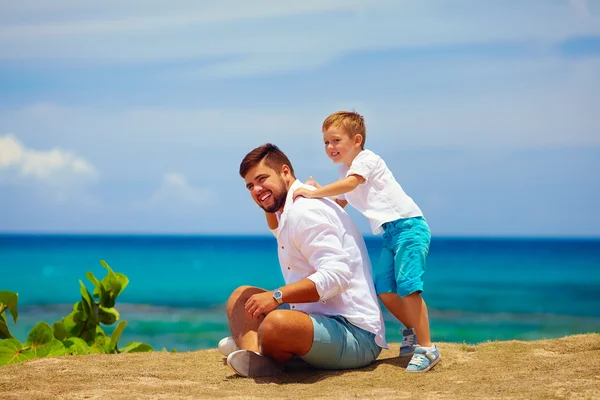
(270, 154)
(350, 121)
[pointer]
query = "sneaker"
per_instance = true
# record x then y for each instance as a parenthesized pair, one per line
(250, 364)
(423, 360)
(409, 342)
(227, 346)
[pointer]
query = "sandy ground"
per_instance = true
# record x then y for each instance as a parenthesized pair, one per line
(549, 369)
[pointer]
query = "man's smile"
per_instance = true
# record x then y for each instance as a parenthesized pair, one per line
(264, 196)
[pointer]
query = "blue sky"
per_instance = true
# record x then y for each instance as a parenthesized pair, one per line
(133, 116)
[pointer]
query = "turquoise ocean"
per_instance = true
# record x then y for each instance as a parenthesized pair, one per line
(476, 289)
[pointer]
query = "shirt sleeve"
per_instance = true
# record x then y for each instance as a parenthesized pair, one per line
(363, 165)
(320, 241)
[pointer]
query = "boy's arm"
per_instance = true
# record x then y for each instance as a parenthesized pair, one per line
(341, 202)
(333, 189)
(271, 220)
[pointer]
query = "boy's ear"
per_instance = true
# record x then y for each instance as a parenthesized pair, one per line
(358, 139)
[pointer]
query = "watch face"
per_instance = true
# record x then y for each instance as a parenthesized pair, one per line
(277, 294)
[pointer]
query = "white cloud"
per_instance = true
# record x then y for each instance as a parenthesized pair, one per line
(176, 194)
(54, 166)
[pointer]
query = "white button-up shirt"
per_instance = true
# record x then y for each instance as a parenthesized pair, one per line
(317, 240)
(380, 197)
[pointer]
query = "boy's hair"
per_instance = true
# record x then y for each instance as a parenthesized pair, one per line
(350, 121)
(270, 154)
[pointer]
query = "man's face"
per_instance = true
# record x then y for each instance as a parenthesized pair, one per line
(267, 187)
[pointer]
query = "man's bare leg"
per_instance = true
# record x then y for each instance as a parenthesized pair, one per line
(244, 329)
(281, 335)
(284, 334)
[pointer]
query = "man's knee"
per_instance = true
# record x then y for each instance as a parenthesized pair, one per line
(271, 336)
(273, 325)
(239, 296)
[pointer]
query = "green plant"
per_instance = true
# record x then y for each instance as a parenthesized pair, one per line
(77, 333)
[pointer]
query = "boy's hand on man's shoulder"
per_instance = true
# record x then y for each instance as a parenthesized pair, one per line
(302, 192)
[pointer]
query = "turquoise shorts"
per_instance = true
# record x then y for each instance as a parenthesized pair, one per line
(402, 262)
(337, 344)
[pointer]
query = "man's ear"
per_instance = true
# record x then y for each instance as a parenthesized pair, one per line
(285, 170)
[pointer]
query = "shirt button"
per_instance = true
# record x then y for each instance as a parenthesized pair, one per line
(293, 306)
(282, 247)
(289, 268)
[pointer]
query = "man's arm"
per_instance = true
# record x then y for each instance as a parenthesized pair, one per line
(303, 291)
(271, 220)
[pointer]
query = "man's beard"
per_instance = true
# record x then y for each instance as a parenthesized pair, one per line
(279, 197)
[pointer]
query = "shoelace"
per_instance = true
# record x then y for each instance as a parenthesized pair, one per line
(418, 359)
(407, 341)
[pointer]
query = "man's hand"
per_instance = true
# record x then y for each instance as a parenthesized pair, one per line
(261, 303)
(303, 192)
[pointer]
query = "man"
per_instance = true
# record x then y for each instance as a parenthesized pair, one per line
(327, 313)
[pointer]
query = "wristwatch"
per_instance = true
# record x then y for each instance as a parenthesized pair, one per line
(278, 296)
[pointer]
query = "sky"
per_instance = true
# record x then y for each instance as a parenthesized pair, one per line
(133, 116)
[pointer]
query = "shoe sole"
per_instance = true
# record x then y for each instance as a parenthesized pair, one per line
(433, 363)
(249, 364)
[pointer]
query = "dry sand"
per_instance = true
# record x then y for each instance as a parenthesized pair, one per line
(548, 369)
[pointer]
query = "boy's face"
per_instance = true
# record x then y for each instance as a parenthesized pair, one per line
(267, 187)
(339, 146)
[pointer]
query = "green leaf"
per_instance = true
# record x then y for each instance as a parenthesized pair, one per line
(9, 300)
(4, 332)
(58, 328)
(99, 291)
(99, 343)
(136, 347)
(114, 284)
(76, 345)
(112, 345)
(11, 352)
(39, 339)
(90, 307)
(108, 316)
(78, 325)
(56, 348)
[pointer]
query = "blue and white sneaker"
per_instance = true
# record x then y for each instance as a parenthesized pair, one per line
(424, 359)
(409, 342)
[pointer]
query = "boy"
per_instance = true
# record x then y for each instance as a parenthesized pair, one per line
(369, 186)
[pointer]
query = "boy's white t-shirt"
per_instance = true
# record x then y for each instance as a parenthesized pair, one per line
(380, 197)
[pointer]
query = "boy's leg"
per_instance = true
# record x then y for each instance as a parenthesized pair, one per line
(412, 238)
(384, 277)
(398, 308)
(415, 303)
